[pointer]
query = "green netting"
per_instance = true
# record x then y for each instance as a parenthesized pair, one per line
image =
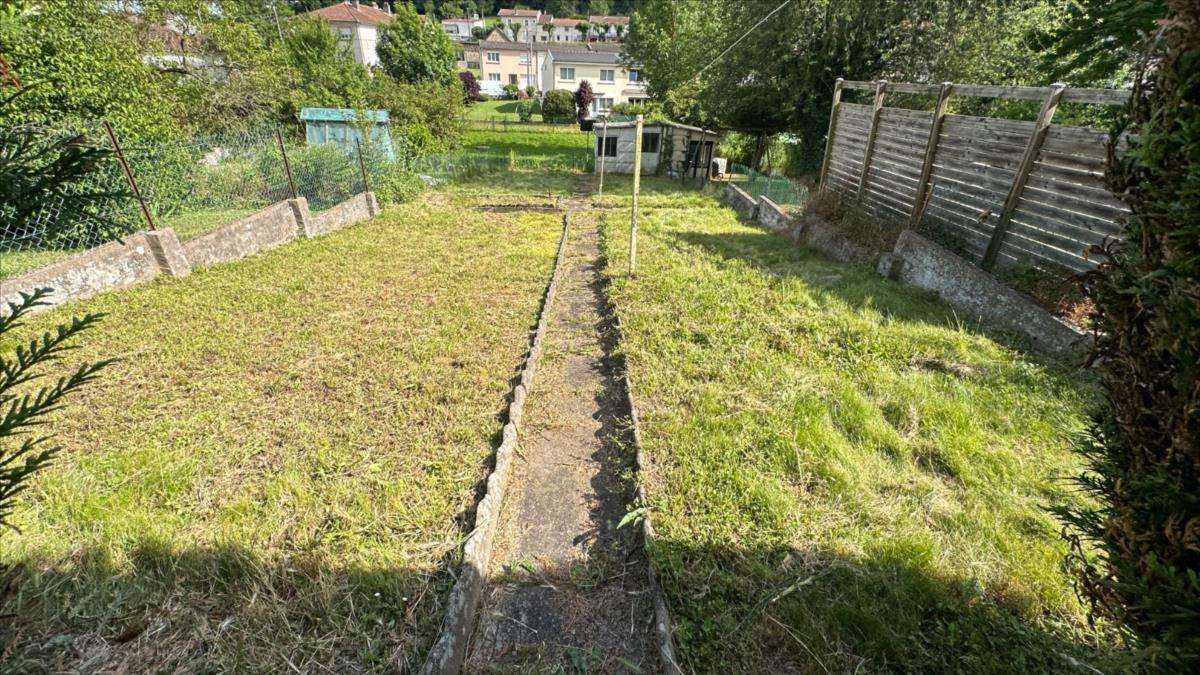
(777, 188)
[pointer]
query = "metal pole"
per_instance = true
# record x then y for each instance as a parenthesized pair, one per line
(286, 166)
(112, 136)
(362, 167)
(637, 184)
(603, 143)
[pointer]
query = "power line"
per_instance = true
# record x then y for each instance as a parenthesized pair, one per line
(743, 37)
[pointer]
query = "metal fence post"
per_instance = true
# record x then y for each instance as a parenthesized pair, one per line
(112, 136)
(287, 167)
(362, 167)
(603, 142)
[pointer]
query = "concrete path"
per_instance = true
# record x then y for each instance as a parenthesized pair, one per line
(568, 590)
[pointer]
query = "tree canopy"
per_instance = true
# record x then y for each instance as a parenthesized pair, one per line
(413, 50)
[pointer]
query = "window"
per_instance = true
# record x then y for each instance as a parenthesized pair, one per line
(650, 141)
(635, 75)
(525, 59)
(566, 73)
(606, 75)
(602, 104)
(606, 146)
(512, 79)
(493, 57)
(460, 55)
(493, 77)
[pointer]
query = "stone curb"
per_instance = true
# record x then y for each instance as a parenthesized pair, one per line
(662, 614)
(450, 650)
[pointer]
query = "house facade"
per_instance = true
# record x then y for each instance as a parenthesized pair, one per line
(357, 27)
(611, 82)
(524, 25)
(503, 63)
(462, 30)
(520, 24)
(606, 28)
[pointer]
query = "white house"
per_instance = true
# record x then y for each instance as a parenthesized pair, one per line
(667, 147)
(611, 82)
(607, 28)
(521, 23)
(461, 30)
(357, 26)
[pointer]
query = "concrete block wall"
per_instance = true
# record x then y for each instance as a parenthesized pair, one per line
(741, 201)
(143, 256)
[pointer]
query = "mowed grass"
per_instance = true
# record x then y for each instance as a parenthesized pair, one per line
(532, 148)
(275, 477)
(845, 477)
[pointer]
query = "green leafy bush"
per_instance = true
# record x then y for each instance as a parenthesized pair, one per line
(559, 106)
(1143, 451)
(525, 110)
(397, 186)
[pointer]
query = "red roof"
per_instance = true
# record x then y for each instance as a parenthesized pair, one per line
(352, 11)
(566, 22)
(518, 12)
(599, 18)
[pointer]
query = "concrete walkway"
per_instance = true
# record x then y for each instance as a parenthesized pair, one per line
(568, 590)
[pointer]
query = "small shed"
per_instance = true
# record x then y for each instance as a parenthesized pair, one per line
(345, 125)
(667, 147)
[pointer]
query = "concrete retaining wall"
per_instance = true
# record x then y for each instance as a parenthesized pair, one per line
(141, 257)
(741, 201)
(922, 263)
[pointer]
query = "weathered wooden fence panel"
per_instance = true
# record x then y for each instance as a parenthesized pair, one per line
(1030, 192)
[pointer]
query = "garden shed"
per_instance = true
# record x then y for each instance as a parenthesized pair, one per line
(667, 147)
(346, 125)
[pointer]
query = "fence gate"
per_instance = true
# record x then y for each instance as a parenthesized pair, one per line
(1029, 193)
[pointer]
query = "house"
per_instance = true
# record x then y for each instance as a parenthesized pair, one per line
(607, 28)
(611, 82)
(520, 24)
(561, 30)
(502, 63)
(466, 55)
(461, 30)
(667, 148)
(357, 26)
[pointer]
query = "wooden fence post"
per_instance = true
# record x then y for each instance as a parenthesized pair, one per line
(833, 114)
(876, 113)
(1032, 148)
(935, 132)
(637, 184)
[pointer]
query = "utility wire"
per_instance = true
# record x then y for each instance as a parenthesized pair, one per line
(743, 37)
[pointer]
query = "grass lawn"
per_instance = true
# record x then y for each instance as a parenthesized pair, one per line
(489, 110)
(273, 478)
(533, 147)
(845, 476)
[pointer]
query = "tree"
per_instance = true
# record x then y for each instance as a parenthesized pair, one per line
(414, 50)
(562, 8)
(425, 116)
(25, 412)
(1143, 452)
(583, 99)
(599, 7)
(470, 85)
(324, 73)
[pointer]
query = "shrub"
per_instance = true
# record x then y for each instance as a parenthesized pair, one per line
(470, 86)
(531, 91)
(511, 91)
(525, 110)
(397, 185)
(1143, 451)
(559, 106)
(651, 111)
(26, 412)
(425, 117)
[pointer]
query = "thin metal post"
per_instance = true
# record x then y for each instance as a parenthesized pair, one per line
(112, 136)
(603, 144)
(362, 167)
(287, 167)
(637, 185)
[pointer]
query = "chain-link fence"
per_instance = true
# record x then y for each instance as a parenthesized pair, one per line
(779, 189)
(193, 186)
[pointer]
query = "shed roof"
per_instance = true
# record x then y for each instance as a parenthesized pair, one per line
(342, 115)
(583, 56)
(660, 123)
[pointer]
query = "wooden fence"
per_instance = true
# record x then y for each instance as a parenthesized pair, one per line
(1007, 191)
